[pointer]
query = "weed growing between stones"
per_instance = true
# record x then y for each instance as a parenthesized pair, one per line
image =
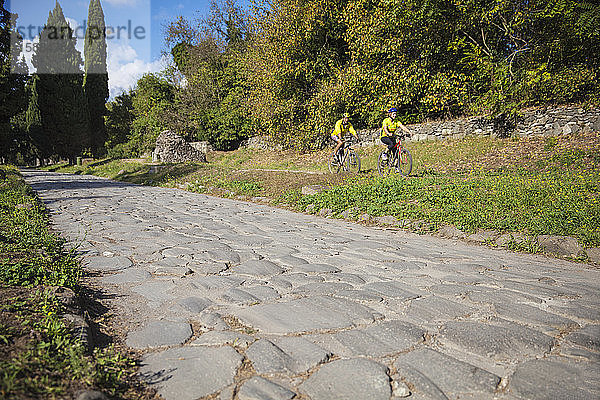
(40, 356)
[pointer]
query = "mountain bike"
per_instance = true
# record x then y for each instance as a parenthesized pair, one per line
(346, 160)
(399, 161)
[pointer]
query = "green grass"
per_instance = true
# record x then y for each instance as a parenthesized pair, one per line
(30, 253)
(519, 201)
(229, 187)
(39, 356)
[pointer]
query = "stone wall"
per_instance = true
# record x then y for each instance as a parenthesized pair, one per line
(543, 121)
(551, 121)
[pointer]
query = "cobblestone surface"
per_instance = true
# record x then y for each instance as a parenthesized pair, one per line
(220, 291)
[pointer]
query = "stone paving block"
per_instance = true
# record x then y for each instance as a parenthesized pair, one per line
(173, 271)
(298, 279)
(401, 266)
(290, 261)
(426, 368)
(155, 291)
(359, 295)
(315, 268)
(159, 334)
(226, 256)
(262, 293)
(352, 279)
(560, 245)
(194, 304)
(252, 241)
(280, 283)
(212, 282)
(538, 290)
(452, 290)
(555, 378)
(227, 393)
(481, 294)
(257, 388)
(531, 315)
(207, 268)
(393, 290)
(259, 268)
(130, 275)
(305, 315)
(433, 309)
(500, 341)
(187, 373)
(579, 310)
(285, 355)
(354, 379)
(568, 349)
(268, 358)
(588, 337)
(99, 263)
(219, 338)
(322, 288)
(211, 321)
(182, 254)
(238, 296)
(367, 244)
(304, 353)
(375, 341)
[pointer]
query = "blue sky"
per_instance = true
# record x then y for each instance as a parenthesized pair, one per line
(130, 53)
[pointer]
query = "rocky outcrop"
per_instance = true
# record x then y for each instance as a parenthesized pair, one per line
(172, 148)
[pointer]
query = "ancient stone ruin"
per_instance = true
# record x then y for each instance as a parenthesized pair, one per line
(172, 148)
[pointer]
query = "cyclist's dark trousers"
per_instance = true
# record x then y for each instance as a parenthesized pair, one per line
(390, 142)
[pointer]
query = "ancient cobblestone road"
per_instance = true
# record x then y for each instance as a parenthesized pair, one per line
(244, 300)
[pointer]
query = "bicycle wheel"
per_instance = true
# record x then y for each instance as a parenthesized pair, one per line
(353, 162)
(333, 165)
(383, 165)
(404, 167)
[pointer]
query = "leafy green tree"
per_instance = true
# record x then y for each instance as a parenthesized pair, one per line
(310, 61)
(40, 139)
(153, 96)
(119, 119)
(293, 66)
(211, 105)
(58, 85)
(298, 49)
(95, 84)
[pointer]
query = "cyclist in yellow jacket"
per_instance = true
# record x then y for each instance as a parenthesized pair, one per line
(342, 128)
(389, 127)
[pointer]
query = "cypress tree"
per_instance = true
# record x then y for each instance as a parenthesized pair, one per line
(41, 141)
(13, 75)
(63, 110)
(96, 76)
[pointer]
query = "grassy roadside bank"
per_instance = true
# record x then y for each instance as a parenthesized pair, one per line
(531, 186)
(41, 356)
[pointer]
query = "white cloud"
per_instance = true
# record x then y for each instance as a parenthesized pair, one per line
(72, 22)
(121, 2)
(78, 33)
(28, 46)
(125, 68)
